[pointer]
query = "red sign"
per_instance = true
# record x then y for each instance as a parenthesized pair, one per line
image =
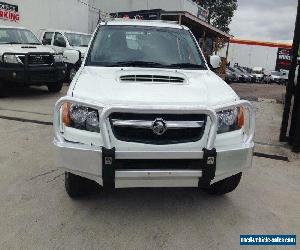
(9, 12)
(284, 57)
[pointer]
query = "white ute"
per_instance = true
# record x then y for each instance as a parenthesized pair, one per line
(62, 41)
(24, 60)
(145, 110)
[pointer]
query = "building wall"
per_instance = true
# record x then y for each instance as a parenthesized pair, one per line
(112, 6)
(56, 14)
(134, 5)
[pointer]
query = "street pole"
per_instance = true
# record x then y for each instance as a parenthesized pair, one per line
(290, 89)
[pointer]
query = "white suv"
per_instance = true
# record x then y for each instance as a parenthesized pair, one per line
(24, 60)
(62, 40)
(145, 110)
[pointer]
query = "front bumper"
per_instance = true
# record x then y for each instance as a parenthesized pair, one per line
(277, 80)
(214, 161)
(88, 162)
(32, 74)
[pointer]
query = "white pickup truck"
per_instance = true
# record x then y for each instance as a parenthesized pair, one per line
(63, 40)
(145, 110)
(24, 60)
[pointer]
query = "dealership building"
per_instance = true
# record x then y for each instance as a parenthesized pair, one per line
(84, 15)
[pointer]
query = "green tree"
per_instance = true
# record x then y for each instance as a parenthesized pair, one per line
(220, 12)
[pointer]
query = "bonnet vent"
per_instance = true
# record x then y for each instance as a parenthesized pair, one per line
(151, 78)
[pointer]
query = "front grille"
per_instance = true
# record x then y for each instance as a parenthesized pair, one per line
(159, 164)
(139, 130)
(36, 60)
(152, 78)
(40, 59)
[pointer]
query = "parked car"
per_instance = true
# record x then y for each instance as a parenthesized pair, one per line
(274, 77)
(145, 110)
(285, 76)
(24, 60)
(249, 71)
(239, 74)
(230, 76)
(259, 74)
(246, 76)
(62, 40)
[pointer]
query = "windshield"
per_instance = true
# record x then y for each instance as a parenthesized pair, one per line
(230, 70)
(239, 71)
(139, 46)
(79, 40)
(17, 36)
(276, 73)
(243, 70)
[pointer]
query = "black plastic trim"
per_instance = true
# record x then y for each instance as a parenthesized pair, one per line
(108, 168)
(209, 167)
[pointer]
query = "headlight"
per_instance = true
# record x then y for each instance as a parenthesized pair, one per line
(80, 117)
(13, 59)
(230, 120)
(58, 58)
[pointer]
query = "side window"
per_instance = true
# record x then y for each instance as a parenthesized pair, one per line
(47, 38)
(4, 36)
(59, 40)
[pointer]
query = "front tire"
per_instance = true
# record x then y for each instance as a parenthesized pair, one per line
(224, 186)
(55, 87)
(77, 186)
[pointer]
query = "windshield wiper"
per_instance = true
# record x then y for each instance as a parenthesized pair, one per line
(136, 64)
(187, 66)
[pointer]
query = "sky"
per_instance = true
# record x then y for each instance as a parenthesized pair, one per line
(269, 20)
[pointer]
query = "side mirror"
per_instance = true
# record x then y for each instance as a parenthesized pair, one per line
(72, 56)
(215, 61)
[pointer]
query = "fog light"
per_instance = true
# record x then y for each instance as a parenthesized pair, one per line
(14, 74)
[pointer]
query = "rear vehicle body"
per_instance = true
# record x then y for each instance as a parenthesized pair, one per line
(23, 59)
(62, 40)
(249, 71)
(244, 74)
(239, 75)
(259, 74)
(231, 76)
(145, 110)
(285, 76)
(275, 77)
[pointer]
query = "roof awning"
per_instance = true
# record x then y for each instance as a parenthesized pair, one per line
(187, 18)
(261, 43)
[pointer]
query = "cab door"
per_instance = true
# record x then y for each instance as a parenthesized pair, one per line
(59, 43)
(47, 39)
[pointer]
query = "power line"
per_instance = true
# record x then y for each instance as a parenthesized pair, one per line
(93, 8)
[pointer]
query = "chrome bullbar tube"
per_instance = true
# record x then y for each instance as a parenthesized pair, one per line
(104, 113)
